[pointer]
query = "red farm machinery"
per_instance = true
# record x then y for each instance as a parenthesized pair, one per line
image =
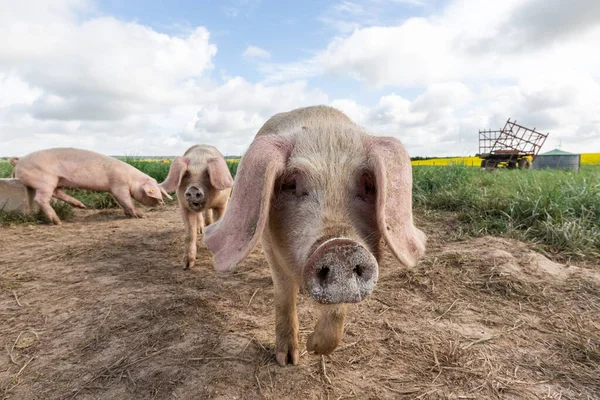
(514, 146)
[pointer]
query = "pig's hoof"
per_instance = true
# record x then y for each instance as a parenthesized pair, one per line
(287, 357)
(286, 350)
(322, 343)
(188, 262)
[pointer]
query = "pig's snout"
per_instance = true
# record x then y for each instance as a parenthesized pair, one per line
(340, 271)
(195, 198)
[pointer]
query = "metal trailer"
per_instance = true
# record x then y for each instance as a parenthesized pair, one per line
(511, 147)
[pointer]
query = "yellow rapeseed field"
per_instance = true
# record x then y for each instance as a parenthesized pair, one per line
(590, 158)
(586, 158)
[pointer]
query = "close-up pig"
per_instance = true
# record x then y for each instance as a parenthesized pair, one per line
(47, 172)
(321, 194)
(203, 184)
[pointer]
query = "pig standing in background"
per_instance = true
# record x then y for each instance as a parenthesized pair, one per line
(47, 172)
(203, 184)
(321, 194)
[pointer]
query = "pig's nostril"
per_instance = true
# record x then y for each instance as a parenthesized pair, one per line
(188, 195)
(358, 270)
(197, 195)
(322, 273)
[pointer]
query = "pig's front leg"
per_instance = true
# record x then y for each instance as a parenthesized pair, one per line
(328, 331)
(286, 319)
(60, 194)
(286, 316)
(124, 199)
(190, 220)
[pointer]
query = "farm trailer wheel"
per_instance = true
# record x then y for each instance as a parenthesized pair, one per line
(524, 163)
(489, 164)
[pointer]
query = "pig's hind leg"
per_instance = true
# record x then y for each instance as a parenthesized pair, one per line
(218, 213)
(60, 194)
(208, 216)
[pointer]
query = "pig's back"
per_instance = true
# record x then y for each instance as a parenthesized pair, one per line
(200, 153)
(314, 116)
(70, 167)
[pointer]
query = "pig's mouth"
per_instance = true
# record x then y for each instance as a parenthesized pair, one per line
(196, 205)
(151, 202)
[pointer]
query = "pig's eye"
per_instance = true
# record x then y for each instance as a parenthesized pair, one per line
(289, 186)
(366, 187)
(294, 185)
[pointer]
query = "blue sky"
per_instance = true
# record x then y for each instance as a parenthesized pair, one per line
(155, 77)
(288, 30)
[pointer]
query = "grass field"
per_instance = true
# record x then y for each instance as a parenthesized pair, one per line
(101, 306)
(557, 209)
(586, 159)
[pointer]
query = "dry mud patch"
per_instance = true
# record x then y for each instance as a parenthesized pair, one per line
(100, 307)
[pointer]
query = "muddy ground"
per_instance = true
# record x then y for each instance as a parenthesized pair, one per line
(100, 307)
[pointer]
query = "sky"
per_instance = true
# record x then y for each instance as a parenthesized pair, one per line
(153, 77)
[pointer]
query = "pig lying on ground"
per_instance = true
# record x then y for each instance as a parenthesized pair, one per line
(203, 184)
(322, 194)
(47, 172)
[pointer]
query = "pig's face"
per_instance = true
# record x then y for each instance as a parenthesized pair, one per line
(194, 183)
(323, 218)
(194, 180)
(326, 198)
(149, 193)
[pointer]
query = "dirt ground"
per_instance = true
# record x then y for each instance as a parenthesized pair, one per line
(100, 307)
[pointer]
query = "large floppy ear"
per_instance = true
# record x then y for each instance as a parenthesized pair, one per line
(233, 236)
(152, 189)
(219, 174)
(393, 181)
(178, 167)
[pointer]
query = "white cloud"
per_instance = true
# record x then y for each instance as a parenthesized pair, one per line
(70, 76)
(476, 64)
(256, 52)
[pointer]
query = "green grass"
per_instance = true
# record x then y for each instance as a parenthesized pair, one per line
(5, 169)
(62, 209)
(558, 209)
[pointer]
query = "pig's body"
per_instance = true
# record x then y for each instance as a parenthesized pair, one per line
(322, 195)
(203, 183)
(47, 172)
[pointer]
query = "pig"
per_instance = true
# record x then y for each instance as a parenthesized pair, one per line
(322, 195)
(203, 184)
(47, 172)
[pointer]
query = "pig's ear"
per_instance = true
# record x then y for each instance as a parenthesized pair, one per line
(219, 174)
(178, 167)
(151, 189)
(232, 237)
(393, 181)
(164, 192)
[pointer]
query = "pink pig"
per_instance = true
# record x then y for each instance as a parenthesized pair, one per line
(47, 172)
(321, 194)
